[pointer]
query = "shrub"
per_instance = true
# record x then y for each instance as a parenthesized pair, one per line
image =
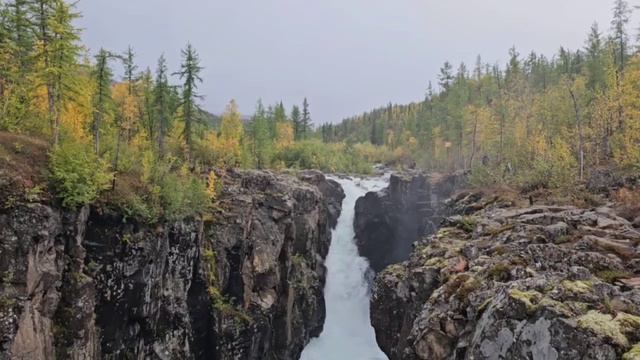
(314, 154)
(77, 174)
(166, 189)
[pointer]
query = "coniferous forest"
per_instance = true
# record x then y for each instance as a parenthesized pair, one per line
(137, 134)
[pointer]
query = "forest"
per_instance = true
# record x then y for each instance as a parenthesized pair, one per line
(140, 139)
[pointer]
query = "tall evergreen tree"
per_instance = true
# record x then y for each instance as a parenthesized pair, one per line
(16, 54)
(305, 122)
(260, 137)
(162, 102)
(595, 70)
(279, 113)
(130, 76)
(190, 74)
(446, 76)
(102, 101)
(145, 106)
(621, 17)
(59, 52)
(297, 123)
(22, 35)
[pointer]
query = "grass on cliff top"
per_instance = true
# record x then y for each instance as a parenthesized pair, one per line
(24, 157)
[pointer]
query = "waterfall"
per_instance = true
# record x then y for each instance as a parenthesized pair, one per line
(347, 333)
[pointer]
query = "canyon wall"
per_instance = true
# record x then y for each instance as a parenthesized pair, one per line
(244, 282)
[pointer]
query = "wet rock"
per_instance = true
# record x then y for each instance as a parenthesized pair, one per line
(388, 222)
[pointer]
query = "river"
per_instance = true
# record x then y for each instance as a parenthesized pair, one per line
(347, 333)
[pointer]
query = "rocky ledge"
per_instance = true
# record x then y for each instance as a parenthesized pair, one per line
(245, 282)
(499, 281)
(388, 222)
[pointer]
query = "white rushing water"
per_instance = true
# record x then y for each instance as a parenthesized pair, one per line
(347, 333)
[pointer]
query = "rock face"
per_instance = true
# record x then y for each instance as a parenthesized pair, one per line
(506, 282)
(244, 283)
(388, 222)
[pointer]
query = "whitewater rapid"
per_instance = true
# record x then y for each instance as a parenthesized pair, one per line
(347, 333)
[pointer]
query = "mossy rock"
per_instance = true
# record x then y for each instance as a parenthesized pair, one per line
(605, 325)
(633, 354)
(578, 287)
(396, 270)
(530, 299)
(437, 262)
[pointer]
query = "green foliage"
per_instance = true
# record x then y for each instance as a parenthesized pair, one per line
(612, 276)
(313, 154)
(190, 73)
(168, 190)
(467, 224)
(77, 174)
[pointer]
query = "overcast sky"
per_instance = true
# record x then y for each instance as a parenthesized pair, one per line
(346, 56)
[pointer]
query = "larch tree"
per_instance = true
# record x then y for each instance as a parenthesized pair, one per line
(595, 70)
(621, 17)
(305, 122)
(231, 131)
(260, 137)
(58, 55)
(131, 77)
(190, 74)
(16, 56)
(162, 102)
(102, 101)
(296, 119)
(145, 105)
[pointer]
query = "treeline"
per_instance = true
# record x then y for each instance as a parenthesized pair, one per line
(537, 122)
(140, 136)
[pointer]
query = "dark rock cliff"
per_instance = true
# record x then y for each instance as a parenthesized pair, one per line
(388, 222)
(245, 282)
(499, 281)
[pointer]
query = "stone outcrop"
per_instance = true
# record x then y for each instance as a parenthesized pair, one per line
(509, 282)
(245, 282)
(388, 222)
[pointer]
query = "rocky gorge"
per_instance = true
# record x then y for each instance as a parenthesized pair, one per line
(243, 282)
(460, 273)
(499, 277)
